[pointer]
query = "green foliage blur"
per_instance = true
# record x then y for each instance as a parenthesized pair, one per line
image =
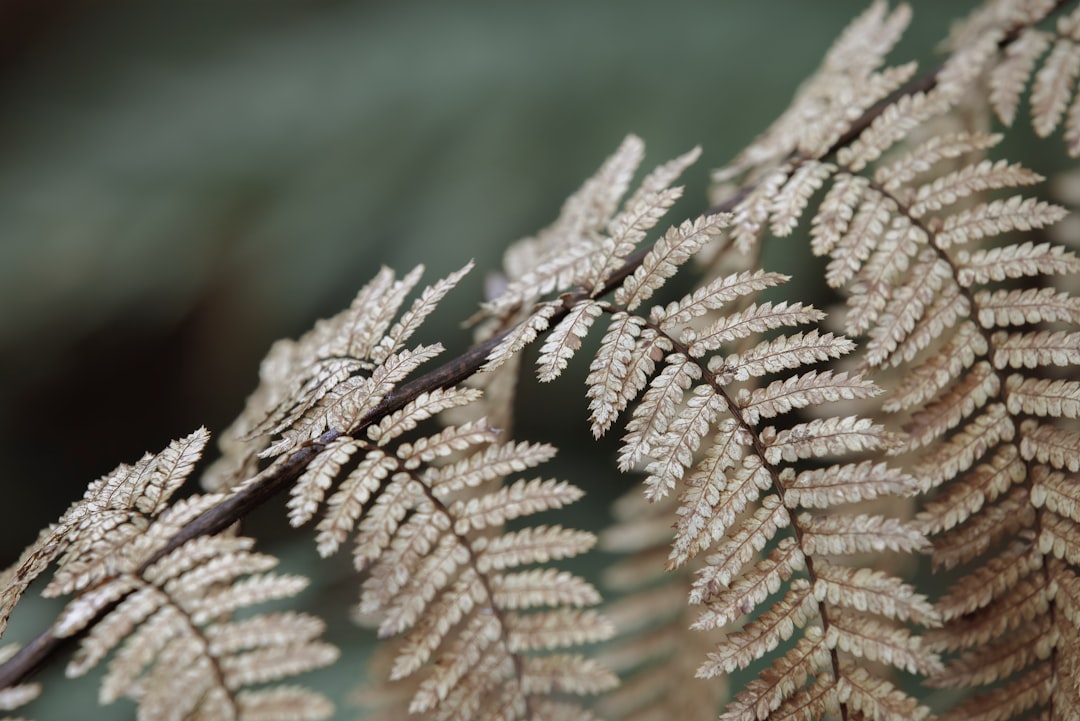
(184, 181)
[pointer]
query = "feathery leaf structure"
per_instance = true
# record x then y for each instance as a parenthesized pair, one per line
(710, 371)
(335, 374)
(586, 247)
(167, 613)
(773, 451)
(427, 512)
(971, 322)
(428, 516)
(115, 509)
(1048, 60)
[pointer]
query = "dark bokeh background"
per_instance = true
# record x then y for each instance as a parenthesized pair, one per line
(183, 181)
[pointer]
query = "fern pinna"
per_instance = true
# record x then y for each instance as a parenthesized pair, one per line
(966, 332)
(165, 607)
(428, 524)
(781, 488)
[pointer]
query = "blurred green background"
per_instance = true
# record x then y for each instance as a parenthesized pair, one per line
(184, 181)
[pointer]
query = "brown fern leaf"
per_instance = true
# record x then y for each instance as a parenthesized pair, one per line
(939, 296)
(166, 611)
(428, 516)
(521, 335)
(697, 429)
(982, 344)
(114, 510)
(558, 255)
(847, 82)
(616, 376)
(1047, 58)
(990, 430)
(331, 376)
(177, 654)
(593, 236)
(585, 257)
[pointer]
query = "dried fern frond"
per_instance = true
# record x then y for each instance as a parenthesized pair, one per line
(1052, 84)
(697, 429)
(846, 84)
(559, 254)
(87, 540)
(592, 237)
(963, 327)
(989, 429)
(776, 456)
(176, 651)
(428, 516)
(1040, 55)
(166, 610)
(578, 254)
(331, 376)
(790, 161)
